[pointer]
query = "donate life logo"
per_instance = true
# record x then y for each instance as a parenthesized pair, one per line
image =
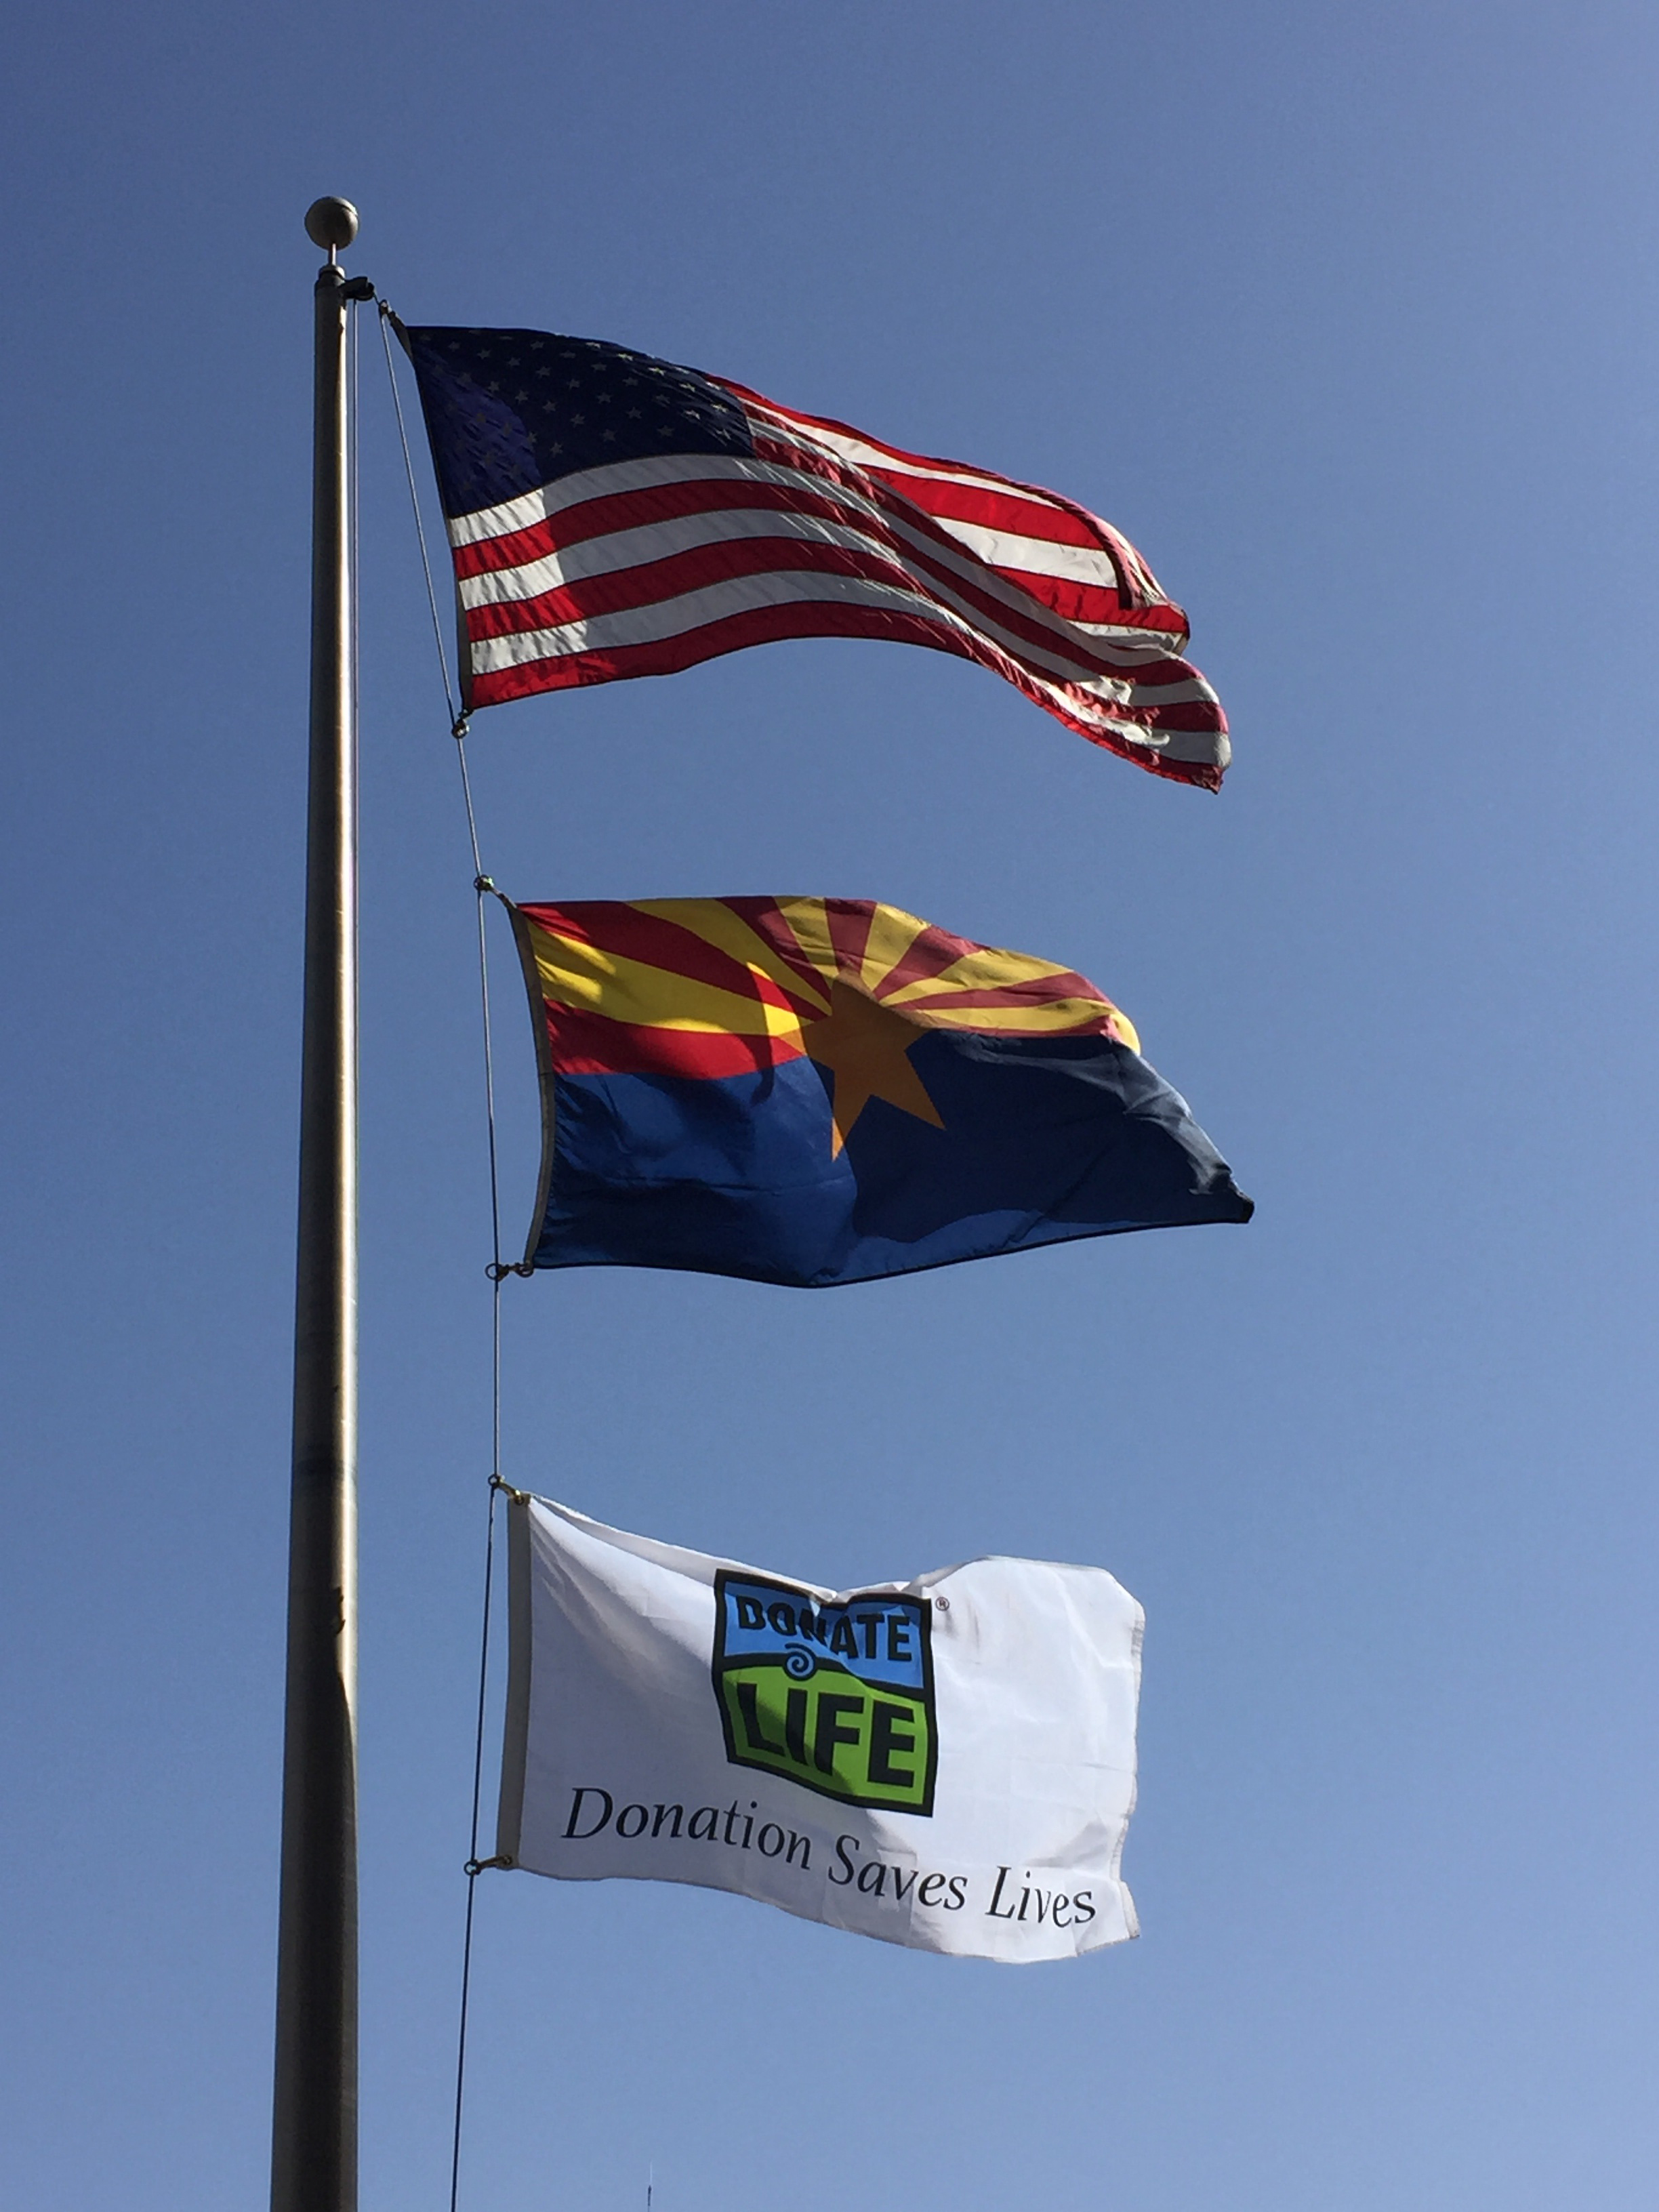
(838, 1698)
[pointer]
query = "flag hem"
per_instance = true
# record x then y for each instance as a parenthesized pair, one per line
(544, 1077)
(515, 1728)
(1036, 1243)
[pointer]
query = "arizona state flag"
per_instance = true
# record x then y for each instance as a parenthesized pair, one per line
(814, 1090)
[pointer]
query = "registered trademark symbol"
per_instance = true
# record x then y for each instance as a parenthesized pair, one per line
(943, 1604)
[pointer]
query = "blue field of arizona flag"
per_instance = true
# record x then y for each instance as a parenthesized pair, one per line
(611, 515)
(813, 1091)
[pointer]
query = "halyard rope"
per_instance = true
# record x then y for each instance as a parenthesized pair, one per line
(483, 890)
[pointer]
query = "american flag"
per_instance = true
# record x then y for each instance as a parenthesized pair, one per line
(611, 515)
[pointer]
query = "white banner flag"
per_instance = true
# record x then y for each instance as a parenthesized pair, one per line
(947, 1763)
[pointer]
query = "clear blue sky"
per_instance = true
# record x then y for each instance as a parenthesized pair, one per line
(1346, 315)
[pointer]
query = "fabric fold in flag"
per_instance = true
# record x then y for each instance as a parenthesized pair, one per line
(947, 1763)
(611, 515)
(816, 1091)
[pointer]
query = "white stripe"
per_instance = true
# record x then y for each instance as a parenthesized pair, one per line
(1160, 644)
(1038, 556)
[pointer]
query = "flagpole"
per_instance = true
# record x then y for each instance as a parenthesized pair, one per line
(315, 2130)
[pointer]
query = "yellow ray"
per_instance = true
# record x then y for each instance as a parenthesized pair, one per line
(893, 932)
(808, 921)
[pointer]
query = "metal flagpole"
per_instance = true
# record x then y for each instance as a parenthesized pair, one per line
(314, 2133)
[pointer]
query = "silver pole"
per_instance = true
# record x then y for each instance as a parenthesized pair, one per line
(315, 2135)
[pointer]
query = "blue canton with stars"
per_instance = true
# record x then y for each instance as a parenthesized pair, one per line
(509, 410)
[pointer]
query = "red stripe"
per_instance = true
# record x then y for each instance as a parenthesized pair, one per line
(995, 510)
(772, 625)
(1092, 602)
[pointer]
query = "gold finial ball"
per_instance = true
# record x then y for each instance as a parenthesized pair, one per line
(330, 223)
